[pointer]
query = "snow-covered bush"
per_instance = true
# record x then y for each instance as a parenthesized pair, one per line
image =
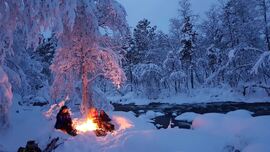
(241, 69)
(262, 63)
(147, 79)
(173, 77)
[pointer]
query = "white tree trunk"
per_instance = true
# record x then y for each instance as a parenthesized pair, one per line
(85, 101)
(266, 32)
(5, 98)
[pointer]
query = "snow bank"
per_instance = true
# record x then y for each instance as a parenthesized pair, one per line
(245, 133)
(188, 116)
(212, 133)
(151, 114)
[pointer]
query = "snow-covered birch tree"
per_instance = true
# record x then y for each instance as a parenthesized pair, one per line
(29, 17)
(84, 54)
(5, 98)
(83, 51)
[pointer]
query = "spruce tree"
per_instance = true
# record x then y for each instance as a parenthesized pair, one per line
(188, 40)
(144, 34)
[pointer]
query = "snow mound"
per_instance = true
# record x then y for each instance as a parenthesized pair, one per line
(244, 132)
(188, 116)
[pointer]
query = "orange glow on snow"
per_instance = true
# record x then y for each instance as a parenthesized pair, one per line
(123, 122)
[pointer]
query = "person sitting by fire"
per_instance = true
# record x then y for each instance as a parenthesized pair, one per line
(106, 121)
(64, 121)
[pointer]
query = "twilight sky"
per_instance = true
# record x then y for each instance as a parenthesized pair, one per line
(159, 12)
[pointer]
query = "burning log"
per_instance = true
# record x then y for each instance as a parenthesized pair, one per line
(99, 122)
(104, 116)
(103, 122)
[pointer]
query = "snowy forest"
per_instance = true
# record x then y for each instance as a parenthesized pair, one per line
(205, 72)
(230, 47)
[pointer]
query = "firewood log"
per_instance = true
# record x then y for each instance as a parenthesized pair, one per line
(52, 145)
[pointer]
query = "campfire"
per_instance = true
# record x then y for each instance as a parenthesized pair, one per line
(99, 122)
(85, 125)
(96, 121)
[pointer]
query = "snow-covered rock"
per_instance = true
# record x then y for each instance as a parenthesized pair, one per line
(188, 116)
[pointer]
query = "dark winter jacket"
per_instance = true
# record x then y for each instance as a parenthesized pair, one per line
(64, 122)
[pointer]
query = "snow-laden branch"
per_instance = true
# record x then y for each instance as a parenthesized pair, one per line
(95, 77)
(233, 55)
(265, 57)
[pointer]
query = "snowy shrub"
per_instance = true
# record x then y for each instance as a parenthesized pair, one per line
(173, 75)
(147, 77)
(263, 61)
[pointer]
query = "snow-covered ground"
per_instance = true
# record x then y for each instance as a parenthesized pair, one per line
(199, 95)
(211, 132)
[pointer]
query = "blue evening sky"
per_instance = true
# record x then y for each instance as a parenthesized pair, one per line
(159, 12)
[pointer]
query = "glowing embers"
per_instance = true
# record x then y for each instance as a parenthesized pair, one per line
(89, 123)
(86, 125)
(99, 122)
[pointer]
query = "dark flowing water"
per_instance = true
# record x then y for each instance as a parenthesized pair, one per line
(171, 111)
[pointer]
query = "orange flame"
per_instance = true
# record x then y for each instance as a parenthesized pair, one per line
(83, 126)
(88, 124)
